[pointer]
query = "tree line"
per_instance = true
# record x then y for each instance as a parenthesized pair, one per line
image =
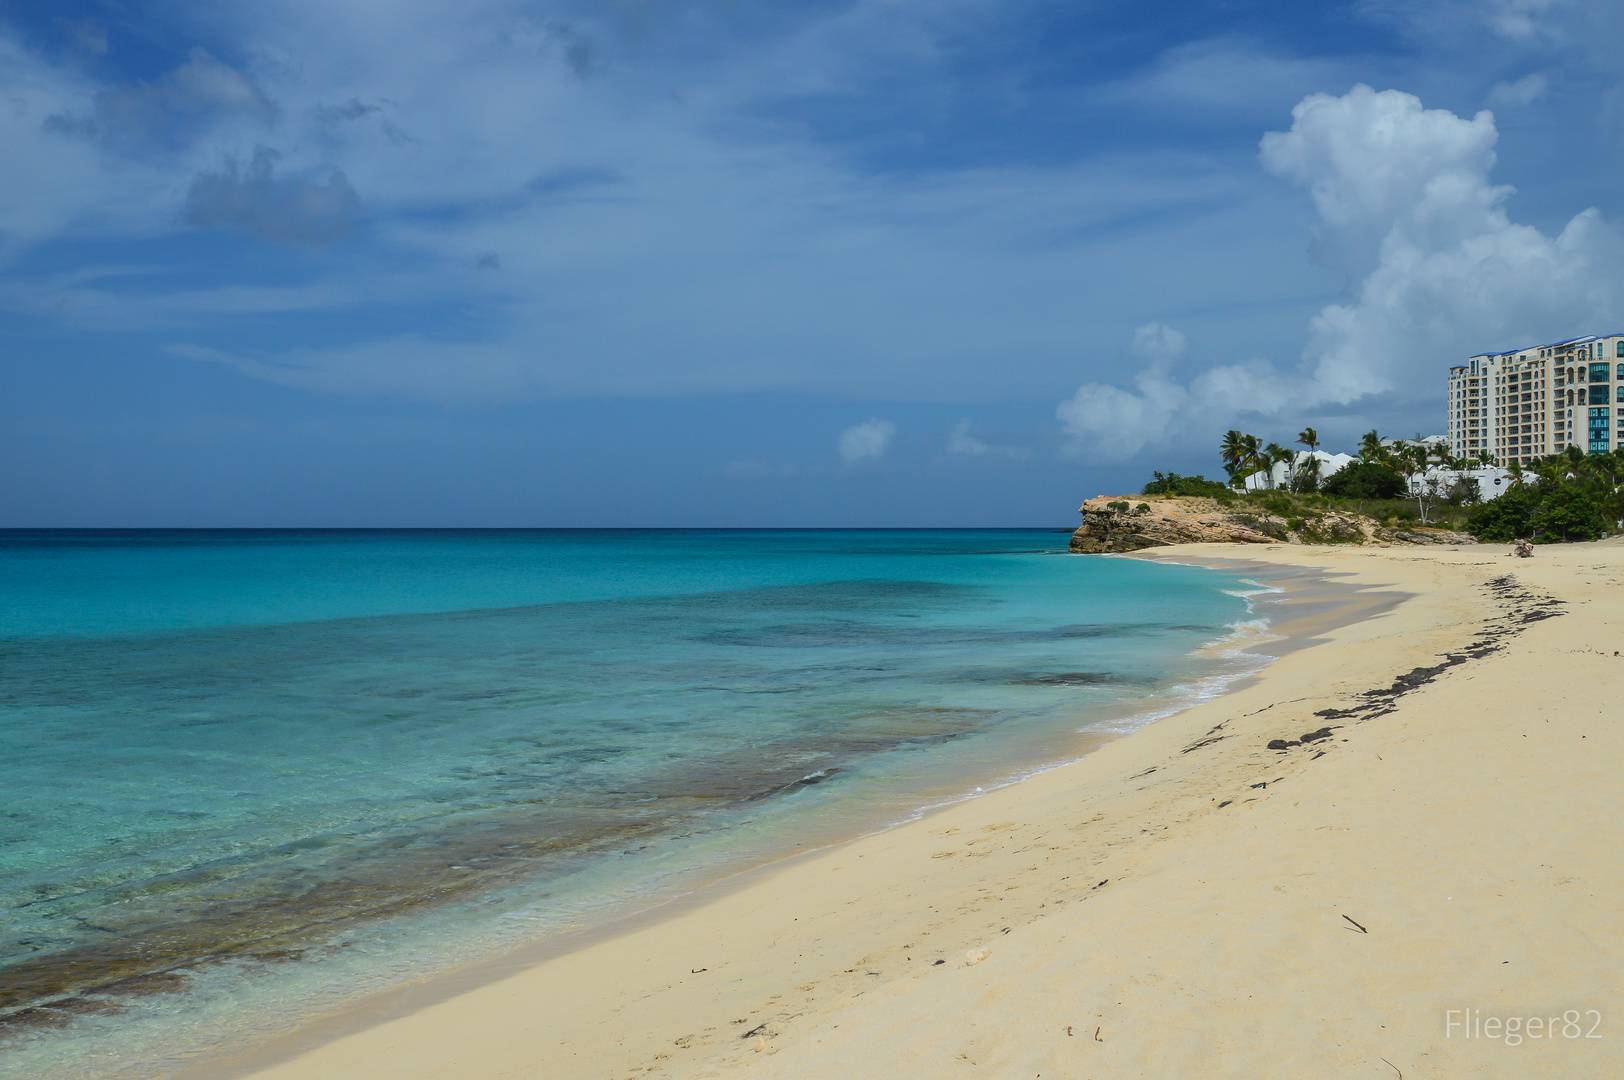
(1567, 496)
(1243, 455)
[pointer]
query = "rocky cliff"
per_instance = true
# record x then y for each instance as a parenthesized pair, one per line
(1130, 523)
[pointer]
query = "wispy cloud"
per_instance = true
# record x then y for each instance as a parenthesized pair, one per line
(174, 110)
(867, 441)
(1520, 94)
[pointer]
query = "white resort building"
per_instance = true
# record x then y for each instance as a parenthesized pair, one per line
(1526, 403)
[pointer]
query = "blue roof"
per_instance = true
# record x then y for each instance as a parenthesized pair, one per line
(1549, 345)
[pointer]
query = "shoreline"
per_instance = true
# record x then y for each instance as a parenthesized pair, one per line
(1308, 603)
(236, 1005)
(1184, 900)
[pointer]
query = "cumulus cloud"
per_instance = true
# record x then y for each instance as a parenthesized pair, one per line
(282, 210)
(1453, 274)
(1374, 163)
(870, 439)
(1106, 423)
(1406, 209)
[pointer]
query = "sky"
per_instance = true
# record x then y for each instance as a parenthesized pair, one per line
(870, 263)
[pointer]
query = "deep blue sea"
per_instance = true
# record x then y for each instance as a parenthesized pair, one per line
(250, 777)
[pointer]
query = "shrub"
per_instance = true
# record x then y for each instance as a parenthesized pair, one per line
(1568, 514)
(1174, 484)
(1505, 519)
(1275, 504)
(1364, 480)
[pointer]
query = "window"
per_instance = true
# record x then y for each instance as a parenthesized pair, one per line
(1598, 372)
(1620, 348)
(1598, 395)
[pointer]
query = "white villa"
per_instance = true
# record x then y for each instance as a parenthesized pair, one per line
(1491, 480)
(1526, 403)
(1283, 471)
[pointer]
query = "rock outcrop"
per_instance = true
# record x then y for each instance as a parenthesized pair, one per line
(1162, 523)
(1118, 523)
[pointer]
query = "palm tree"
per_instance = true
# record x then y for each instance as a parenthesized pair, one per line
(1275, 454)
(1251, 454)
(1306, 476)
(1408, 461)
(1309, 438)
(1370, 447)
(1231, 450)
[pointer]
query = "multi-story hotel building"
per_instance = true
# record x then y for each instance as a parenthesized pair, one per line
(1523, 404)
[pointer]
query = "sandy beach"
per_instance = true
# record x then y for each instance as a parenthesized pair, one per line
(1387, 898)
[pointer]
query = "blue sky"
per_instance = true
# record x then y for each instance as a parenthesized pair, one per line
(689, 264)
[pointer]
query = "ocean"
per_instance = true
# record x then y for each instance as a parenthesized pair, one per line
(248, 778)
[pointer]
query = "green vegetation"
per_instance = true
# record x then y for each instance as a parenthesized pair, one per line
(1563, 497)
(1174, 484)
(1378, 486)
(1364, 480)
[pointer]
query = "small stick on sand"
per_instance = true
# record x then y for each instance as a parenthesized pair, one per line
(1362, 930)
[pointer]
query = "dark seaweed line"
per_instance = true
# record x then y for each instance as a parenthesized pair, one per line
(1520, 607)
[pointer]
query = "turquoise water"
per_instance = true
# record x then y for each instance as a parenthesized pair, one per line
(248, 776)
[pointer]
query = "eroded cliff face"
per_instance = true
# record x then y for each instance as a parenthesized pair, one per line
(1116, 523)
(1164, 523)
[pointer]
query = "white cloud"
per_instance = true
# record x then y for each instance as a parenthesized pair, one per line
(1520, 94)
(870, 439)
(1105, 423)
(962, 441)
(659, 225)
(1376, 163)
(1454, 274)
(1406, 208)
(1518, 19)
(1159, 344)
(1228, 73)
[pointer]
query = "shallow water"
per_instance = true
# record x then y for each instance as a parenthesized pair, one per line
(245, 777)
